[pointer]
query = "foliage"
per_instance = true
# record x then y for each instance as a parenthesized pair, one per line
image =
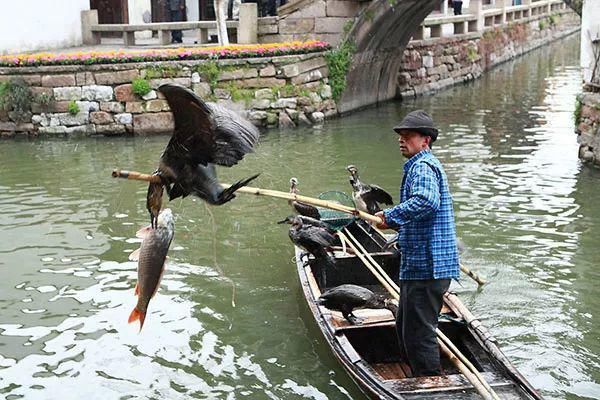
(542, 24)
(369, 15)
(289, 90)
(472, 53)
(348, 26)
(577, 112)
(240, 94)
(338, 63)
(140, 86)
(553, 19)
(210, 72)
(195, 53)
(73, 108)
(162, 71)
(15, 97)
(44, 99)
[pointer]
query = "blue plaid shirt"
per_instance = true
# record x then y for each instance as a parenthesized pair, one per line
(425, 221)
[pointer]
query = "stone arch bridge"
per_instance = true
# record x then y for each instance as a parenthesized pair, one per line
(379, 29)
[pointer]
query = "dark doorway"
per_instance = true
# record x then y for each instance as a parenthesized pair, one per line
(206, 10)
(111, 12)
(159, 11)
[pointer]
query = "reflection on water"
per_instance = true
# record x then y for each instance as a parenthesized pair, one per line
(526, 209)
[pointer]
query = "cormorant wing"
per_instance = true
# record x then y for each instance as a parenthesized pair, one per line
(378, 194)
(204, 132)
(311, 236)
(348, 295)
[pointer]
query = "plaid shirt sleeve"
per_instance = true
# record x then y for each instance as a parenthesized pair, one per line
(422, 201)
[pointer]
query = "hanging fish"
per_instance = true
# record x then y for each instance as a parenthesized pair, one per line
(151, 258)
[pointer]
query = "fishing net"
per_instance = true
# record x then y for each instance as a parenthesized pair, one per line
(336, 219)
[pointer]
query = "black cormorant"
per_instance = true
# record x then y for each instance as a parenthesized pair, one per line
(367, 197)
(345, 298)
(205, 135)
(315, 237)
(299, 207)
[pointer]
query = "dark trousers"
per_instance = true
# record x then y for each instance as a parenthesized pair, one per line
(416, 322)
(176, 16)
(457, 5)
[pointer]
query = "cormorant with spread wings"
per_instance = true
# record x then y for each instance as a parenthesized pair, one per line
(205, 135)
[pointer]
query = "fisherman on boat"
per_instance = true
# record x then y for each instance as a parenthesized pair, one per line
(424, 220)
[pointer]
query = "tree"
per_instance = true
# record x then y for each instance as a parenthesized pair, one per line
(576, 5)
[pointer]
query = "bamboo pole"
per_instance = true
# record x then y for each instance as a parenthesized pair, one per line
(473, 275)
(473, 376)
(263, 192)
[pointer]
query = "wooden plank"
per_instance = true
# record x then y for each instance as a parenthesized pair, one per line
(389, 370)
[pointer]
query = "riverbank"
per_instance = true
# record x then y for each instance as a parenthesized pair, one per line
(276, 91)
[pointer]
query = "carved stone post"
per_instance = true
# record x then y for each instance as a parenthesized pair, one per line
(248, 27)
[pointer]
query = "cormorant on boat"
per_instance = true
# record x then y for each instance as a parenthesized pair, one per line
(313, 236)
(345, 298)
(302, 208)
(205, 134)
(367, 197)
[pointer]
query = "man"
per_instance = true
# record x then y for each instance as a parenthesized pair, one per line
(176, 9)
(457, 6)
(427, 240)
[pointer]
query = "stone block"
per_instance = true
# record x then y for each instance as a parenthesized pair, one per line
(101, 118)
(97, 92)
(330, 24)
(263, 94)
(125, 93)
(236, 74)
(135, 107)
(261, 82)
(81, 130)
(336, 8)
(317, 117)
(195, 78)
(222, 94)
(285, 121)
(314, 98)
(284, 103)
(427, 60)
(59, 80)
(112, 107)
(303, 120)
(31, 80)
(293, 113)
(151, 95)
(162, 122)
(124, 118)
(110, 130)
(325, 92)
(53, 130)
(157, 106)
(310, 76)
(84, 79)
(289, 71)
(257, 115)
(67, 93)
(202, 89)
(116, 77)
(66, 119)
(296, 25)
(314, 9)
(156, 83)
(265, 29)
(260, 104)
(267, 71)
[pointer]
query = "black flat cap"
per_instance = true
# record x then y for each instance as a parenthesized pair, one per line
(418, 121)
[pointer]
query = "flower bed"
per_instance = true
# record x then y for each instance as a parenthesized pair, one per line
(195, 53)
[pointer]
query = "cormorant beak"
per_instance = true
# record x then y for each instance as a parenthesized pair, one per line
(285, 221)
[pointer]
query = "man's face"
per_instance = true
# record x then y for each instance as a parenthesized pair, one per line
(412, 142)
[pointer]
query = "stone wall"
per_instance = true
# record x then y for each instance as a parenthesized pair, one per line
(588, 128)
(433, 64)
(281, 91)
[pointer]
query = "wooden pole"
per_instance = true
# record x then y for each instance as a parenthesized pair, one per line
(263, 192)
(473, 275)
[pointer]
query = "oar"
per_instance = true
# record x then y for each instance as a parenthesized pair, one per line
(452, 352)
(263, 192)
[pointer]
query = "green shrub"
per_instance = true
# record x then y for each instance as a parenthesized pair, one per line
(15, 97)
(209, 71)
(141, 86)
(162, 71)
(338, 63)
(73, 108)
(577, 112)
(542, 24)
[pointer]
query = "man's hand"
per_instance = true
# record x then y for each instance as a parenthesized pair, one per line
(383, 224)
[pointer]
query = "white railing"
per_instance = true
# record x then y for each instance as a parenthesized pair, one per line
(479, 17)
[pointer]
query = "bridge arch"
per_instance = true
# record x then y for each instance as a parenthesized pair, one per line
(380, 33)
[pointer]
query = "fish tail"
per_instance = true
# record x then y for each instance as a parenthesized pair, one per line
(135, 315)
(228, 194)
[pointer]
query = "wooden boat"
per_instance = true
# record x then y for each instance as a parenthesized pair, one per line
(370, 351)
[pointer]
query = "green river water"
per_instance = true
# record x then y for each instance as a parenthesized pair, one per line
(526, 208)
